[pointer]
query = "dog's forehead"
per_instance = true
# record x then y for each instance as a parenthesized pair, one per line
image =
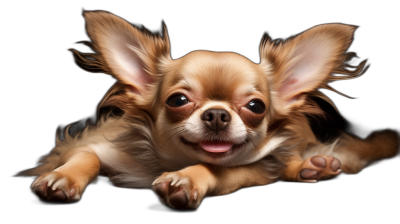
(221, 74)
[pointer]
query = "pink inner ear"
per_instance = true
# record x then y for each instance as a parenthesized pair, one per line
(129, 66)
(134, 90)
(307, 71)
(126, 63)
(289, 84)
(294, 98)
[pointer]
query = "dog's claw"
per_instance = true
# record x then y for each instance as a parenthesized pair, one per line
(177, 191)
(55, 187)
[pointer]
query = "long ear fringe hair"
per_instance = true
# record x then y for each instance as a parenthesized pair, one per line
(341, 67)
(342, 70)
(116, 96)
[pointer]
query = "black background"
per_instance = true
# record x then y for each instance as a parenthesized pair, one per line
(45, 89)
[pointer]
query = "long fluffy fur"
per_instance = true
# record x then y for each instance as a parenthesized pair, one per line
(131, 143)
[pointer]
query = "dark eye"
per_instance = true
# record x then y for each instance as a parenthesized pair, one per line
(177, 100)
(256, 107)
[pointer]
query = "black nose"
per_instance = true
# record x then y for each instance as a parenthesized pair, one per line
(216, 119)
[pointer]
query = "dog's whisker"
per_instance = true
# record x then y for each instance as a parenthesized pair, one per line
(179, 142)
(255, 147)
(177, 133)
(169, 131)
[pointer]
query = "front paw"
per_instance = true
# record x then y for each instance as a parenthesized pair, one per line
(55, 187)
(178, 191)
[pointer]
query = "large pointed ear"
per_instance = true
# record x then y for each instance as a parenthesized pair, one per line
(300, 65)
(130, 54)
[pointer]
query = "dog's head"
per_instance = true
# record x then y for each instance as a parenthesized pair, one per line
(215, 107)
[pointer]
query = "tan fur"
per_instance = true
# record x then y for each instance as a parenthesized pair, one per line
(203, 180)
(140, 140)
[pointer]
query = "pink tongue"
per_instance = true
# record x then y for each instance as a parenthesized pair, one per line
(216, 146)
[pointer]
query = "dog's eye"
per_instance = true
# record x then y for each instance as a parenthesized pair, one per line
(256, 107)
(177, 100)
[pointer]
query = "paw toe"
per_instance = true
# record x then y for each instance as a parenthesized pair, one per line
(335, 165)
(178, 199)
(318, 161)
(162, 189)
(40, 190)
(47, 194)
(57, 196)
(309, 174)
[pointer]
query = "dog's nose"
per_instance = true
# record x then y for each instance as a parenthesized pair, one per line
(216, 119)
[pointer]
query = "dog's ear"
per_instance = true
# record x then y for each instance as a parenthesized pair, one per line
(303, 63)
(130, 54)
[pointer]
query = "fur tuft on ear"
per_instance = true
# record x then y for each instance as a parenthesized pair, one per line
(131, 54)
(297, 67)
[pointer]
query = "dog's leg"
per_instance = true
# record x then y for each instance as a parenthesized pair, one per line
(76, 168)
(311, 169)
(185, 189)
(349, 153)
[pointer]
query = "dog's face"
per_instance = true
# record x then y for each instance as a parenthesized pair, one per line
(214, 107)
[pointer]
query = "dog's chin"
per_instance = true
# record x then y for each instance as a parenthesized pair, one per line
(215, 150)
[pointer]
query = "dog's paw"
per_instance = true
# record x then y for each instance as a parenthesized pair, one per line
(177, 191)
(319, 167)
(55, 187)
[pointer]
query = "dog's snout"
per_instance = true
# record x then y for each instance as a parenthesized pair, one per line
(216, 119)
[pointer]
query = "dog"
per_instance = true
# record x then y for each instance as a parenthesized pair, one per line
(209, 123)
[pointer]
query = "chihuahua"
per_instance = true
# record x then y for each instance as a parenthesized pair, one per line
(208, 123)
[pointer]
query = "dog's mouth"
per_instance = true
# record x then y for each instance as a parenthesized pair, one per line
(214, 148)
